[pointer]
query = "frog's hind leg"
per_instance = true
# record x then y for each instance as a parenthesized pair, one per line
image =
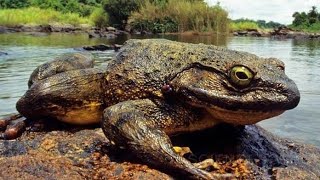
(74, 97)
(12, 125)
(66, 62)
(129, 124)
(15, 124)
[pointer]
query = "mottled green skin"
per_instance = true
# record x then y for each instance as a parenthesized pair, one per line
(155, 88)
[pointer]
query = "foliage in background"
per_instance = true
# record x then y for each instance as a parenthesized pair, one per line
(82, 7)
(120, 10)
(246, 24)
(307, 21)
(11, 17)
(100, 17)
(157, 16)
(179, 16)
(6, 4)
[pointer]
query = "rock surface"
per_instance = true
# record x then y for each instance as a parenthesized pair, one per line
(77, 153)
(102, 47)
(285, 32)
(108, 32)
(3, 53)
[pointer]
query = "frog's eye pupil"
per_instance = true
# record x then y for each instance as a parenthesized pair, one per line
(241, 75)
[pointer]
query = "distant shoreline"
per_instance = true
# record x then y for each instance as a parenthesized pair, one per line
(110, 32)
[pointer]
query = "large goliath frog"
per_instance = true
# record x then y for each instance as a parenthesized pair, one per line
(156, 88)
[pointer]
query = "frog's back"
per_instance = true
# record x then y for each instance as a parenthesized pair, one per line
(164, 58)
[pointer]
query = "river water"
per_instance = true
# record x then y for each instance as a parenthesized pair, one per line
(302, 59)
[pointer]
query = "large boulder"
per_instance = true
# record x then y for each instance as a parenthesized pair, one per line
(75, 153)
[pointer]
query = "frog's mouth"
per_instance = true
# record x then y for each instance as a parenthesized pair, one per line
(228, 109)
(241, 117)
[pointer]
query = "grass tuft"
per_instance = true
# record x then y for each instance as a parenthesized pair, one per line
(245, 25)
(37, 16)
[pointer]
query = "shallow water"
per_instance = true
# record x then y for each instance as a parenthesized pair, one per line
(302, 59)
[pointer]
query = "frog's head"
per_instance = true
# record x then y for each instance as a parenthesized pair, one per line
(240, 88)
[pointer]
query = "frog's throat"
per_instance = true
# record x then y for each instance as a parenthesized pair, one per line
(240, 116)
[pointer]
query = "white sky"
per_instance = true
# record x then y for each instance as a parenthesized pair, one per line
(270, 10)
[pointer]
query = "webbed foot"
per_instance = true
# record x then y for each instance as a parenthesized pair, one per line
(13, 126)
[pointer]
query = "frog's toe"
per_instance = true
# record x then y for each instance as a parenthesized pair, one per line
(181, 150)
(207, 164)
(4, 122)
(210, 164)
(13, 126)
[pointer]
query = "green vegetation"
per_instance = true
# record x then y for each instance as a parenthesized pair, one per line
(309, 22)
(245, 24)
(157, 16)
(11, 17)
(99, 17)
(179, 16)
(120, 10)
(81, 7)
(141, 15)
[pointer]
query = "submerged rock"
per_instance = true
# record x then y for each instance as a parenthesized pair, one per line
(3, 53)
(102, 47)
(74, 153)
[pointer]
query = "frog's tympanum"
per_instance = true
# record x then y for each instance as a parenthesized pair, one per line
(156, 88)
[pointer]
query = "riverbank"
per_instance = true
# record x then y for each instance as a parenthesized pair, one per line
(111, 32)
(281, 33)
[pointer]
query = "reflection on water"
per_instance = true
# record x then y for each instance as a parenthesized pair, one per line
(26, 51)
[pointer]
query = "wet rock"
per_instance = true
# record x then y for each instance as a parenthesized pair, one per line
(37, 34)
(4, 29)
(3, 53)
(284, 32)
(74, 153)
(250, 32)
(111, 29)
(101, 34)
(108, 32)
(102, 47)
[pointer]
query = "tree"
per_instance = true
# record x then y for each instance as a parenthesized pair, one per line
(120, 10)
(13, 4)
(313, 15)
(300, 19)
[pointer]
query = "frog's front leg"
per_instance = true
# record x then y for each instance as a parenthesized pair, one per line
(129, 124)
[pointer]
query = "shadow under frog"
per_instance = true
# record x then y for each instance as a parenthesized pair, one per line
(157, 88)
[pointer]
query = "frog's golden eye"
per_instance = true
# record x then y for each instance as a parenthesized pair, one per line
(241, 75)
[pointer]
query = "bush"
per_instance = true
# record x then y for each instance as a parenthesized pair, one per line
(243, 25)
(99, 17)
(180, 16)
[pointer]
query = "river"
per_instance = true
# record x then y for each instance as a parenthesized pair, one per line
(25, 51)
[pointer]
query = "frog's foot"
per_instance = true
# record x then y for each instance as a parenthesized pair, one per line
(129, 125)
(13, 126)
(182, 150)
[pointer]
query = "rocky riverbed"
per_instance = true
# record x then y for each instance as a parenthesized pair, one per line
(65, 152)
(282, 32)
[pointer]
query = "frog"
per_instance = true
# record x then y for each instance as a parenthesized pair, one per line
(156, 88)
